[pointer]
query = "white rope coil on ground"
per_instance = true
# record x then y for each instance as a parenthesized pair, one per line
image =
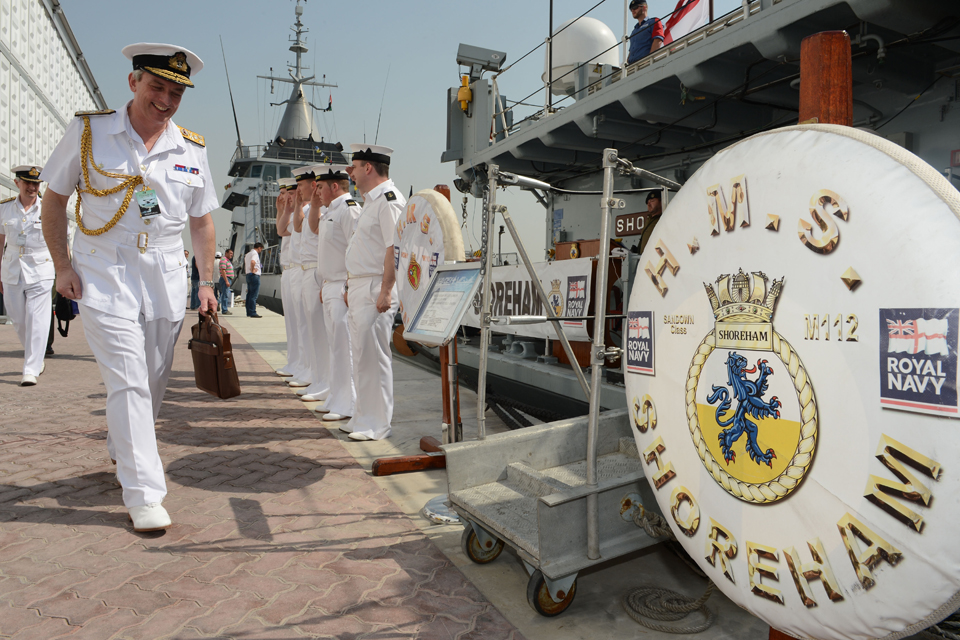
(646, 604)
(802, 457)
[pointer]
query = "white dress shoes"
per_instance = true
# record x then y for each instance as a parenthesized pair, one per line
(150, 517)
(284, 373)
(293, 382)
(28, 380)
(345, 427)
(334, 417)
(359, 437)
(43, 365)
(312, 397)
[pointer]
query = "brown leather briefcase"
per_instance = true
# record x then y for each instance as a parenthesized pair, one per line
(213, 363)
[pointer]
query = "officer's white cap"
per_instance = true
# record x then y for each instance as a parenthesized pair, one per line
(332, 172)
(167, 61)
(28, 172)
(219, 255)
(287, 182)
(371, 152)
(304, 173)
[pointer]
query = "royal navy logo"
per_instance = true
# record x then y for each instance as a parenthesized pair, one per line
(752, 437)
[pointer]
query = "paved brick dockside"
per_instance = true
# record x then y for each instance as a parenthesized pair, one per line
(278, 532)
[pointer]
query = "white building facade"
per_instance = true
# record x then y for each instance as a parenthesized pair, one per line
(44, 80)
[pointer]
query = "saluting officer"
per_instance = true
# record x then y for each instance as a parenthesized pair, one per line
(335, 229)
(141, 179)
(284, 228)
(314, 334)
(371, 291)
(301, 378)
(26, 270)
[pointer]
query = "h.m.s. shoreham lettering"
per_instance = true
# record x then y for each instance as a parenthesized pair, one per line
(897, 494)
(515, 298)
(744, 334)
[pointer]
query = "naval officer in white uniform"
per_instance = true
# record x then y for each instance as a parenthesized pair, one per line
(334, 231)
(141, 179)
(301, 378)
(314, 333)
(284, 226)
(371, 291)
(26, 270)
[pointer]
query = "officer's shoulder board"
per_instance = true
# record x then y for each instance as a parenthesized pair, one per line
(8, 200)
(352, 203)
(195, 138)
(104, 112)
(390, 196)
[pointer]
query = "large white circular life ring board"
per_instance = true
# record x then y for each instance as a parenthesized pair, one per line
(427, 235)
(792, 380)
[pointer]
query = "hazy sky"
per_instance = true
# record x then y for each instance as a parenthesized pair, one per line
(407, 46)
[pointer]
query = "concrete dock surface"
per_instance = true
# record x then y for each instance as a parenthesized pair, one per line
(280, 530)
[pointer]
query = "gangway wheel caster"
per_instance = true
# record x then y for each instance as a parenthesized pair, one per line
(538, 595)
(481, 548)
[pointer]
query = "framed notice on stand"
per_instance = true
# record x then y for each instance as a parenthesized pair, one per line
(449, 294)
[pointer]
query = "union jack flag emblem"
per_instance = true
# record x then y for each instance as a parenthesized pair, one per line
(898, 328)
(577, 289)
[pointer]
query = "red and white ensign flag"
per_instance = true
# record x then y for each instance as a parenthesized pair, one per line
(688, 16)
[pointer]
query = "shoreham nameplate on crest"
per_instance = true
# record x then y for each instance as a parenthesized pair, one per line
(799, 427)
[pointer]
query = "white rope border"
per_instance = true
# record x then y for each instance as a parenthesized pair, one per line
(787, 481)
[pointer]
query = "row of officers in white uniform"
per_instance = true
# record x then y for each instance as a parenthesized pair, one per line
(140, 180)
(338, 288)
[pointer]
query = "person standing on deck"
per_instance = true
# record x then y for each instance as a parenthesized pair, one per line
(251, 264)
(26, 271)
(314, 334)
(334, 231)
(225, 268)
(371, 292)
(647, 36)
(285, 201)
(141, 179)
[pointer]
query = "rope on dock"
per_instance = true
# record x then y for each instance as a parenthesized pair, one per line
(649, 604)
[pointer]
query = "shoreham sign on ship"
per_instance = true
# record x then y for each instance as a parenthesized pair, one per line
(799, 445)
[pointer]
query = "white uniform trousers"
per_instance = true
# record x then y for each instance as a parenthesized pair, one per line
(289, 321)
(135, 359)
(300, 317)
(343, 395)
(372, 359)
(315, 346)
(29, 307)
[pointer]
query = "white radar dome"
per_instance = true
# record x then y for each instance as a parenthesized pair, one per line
(586, 40)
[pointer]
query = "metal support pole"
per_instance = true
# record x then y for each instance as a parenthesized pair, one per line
(598, 354)
(487, 300)
(550, 64)
(454, 434)
(535, 279)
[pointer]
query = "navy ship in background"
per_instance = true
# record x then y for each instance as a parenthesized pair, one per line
(255, 169)
(668, 113)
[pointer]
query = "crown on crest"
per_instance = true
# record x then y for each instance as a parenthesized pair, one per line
(744, 298)
(555, 284)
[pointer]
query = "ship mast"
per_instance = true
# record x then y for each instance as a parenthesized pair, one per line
(297, 121)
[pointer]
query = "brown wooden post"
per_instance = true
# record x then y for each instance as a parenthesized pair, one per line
(826, 79)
